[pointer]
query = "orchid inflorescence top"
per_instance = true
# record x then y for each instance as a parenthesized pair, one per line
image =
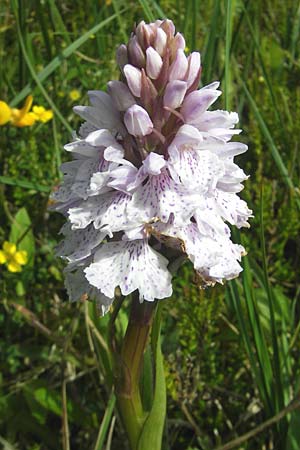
(152, 176)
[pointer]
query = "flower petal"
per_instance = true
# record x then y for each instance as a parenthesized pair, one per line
(9, 248)
(79, 244)
(3, 257)
(214, 259)
(79, 289)
(21, 257)
(198, 170)
(159, 198)
(14, 267)
(130, 265)
(107, 211)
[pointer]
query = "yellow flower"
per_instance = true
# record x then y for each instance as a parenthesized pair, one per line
(74, 95)
(5, 113)
(23, 117)
(12, 258)
(41, 114)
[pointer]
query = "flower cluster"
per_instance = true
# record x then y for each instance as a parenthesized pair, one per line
(24, 117)
(13, 259)
(152, 177)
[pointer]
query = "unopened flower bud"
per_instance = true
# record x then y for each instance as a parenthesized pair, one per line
(179, 41)
(135, 53)
(153, 64)
(168, 27)
(133, 77)
(120, 94)
(194, 62)
(179, 66)
(122, 56)
(158, 22)
(148, 91)
(174, 93)
(144, 34)
(160, 41)
(197, 102)
(137, 121)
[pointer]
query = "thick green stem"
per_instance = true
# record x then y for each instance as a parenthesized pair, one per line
(131, 362)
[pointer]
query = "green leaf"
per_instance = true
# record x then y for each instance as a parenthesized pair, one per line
(21, 234)
(146, 383)
(151, 435)
(41, 398)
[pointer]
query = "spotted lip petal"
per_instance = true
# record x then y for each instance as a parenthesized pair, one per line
(131, 265)
(196, 170)
(159, 198)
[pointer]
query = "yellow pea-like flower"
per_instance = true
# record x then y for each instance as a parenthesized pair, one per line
(23, 117)
(5, 113)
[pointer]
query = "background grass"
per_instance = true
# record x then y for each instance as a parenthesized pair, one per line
(232, 352)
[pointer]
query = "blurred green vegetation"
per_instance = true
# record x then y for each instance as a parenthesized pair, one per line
(231, 352)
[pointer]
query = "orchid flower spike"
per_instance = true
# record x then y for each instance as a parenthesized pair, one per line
(153, 177)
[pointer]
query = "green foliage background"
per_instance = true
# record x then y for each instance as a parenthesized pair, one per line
(231, 352)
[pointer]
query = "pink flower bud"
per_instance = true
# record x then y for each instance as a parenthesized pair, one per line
(153, 64)
(148, 91)
(174, 93)
(176, 43)
(168, 27)
(135, 53)
(144, 34)
(197, 102)
(120, 94)
(160, 41)
(133, 77)
(194, 61)
(179, 41)
(179, 66)
(121, 56)
(137, 121)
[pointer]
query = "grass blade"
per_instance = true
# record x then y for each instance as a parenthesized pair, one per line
(276, 356)
(56, 62)
(147, 10)
(104, 427)
(274, 151)
(24, 184)
(229, 18)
